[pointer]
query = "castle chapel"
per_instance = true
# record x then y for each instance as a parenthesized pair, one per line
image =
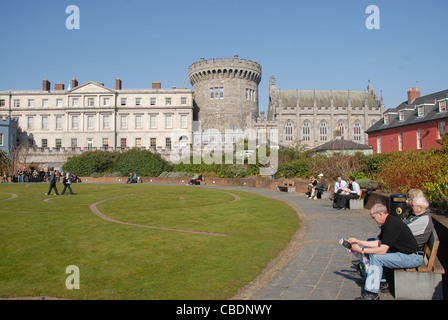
(54, 124)
(226, 96)
(313, 118)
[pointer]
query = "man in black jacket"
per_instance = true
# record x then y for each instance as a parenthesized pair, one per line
(52, 183)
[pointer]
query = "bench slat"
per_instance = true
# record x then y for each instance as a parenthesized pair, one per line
(430, 261)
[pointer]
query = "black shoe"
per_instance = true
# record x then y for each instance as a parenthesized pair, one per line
(369, 296)
(356, 263)
(384, 287)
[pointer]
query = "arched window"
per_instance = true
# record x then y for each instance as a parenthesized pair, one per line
(288, 131)
(357, 131)
(341, 128)
(306, 131)
(323, 131)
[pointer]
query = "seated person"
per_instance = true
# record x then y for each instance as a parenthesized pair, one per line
(311, 185)
(396, 248)
(412, 193)
(352, 193)
(193, 180)
(320, 187)
(129, 180)
(338, 189)
(199, 179)
(420, 221)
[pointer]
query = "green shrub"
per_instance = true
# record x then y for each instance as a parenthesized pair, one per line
(192, 165)
(402, 171)
(144, 162)
(367, 183)
(92, 161)
(437, 191)
(113, 174)
(231, 171)
(96, 175)
(338, 164)
(298, 168)
(114, 163)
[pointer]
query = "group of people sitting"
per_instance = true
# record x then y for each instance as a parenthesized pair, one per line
(399, 245)
(134, 178)
(316, 187)
(343, 190)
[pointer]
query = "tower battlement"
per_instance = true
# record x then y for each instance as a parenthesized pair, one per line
(224, 68)
(225, 92)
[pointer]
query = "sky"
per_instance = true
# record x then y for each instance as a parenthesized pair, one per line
(305, 44)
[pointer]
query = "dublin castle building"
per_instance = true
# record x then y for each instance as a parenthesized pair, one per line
(56, 123)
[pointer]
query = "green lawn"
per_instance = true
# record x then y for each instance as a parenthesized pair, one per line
(39, 239)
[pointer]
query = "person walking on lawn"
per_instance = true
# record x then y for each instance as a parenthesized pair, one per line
(66, 181)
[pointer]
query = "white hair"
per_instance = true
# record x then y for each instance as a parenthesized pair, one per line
(421, 201)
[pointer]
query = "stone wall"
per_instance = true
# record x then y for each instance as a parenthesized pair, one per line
(225, 92)
(301, 185)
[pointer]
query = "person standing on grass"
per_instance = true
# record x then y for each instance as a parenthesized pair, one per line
(66, 181)
(52, 180)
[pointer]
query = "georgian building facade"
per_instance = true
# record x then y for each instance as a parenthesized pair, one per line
(416, 124)
(56, 124)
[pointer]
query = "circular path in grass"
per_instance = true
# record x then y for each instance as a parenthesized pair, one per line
(270, 272)
(94, 209)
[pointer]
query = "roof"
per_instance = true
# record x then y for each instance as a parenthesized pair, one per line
(411, 113)
(306, 98)
(341, 144)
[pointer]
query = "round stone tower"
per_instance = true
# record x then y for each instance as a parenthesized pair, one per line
(225, 92)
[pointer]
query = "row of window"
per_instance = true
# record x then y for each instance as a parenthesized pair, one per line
(250, 94)
(442, 105)
(323, 131)
(105, 143)
(218, 93)
(91, 102)
(106, 124)
(419, 138)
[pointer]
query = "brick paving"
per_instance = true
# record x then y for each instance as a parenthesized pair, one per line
(321, 269)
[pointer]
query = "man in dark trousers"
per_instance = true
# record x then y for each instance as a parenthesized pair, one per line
(52, 183)
(352, 192)
(396, 248)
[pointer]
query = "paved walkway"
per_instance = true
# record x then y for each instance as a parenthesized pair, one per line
(321, 268)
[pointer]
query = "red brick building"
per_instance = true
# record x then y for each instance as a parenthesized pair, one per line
(415, 124)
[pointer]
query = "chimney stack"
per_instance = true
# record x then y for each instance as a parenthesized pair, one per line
(156, 85)
(74, 83)
(413, 94)
(118, 84)
(59, 86)
(46, 85)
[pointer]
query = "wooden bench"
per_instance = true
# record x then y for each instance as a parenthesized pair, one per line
(424, 282)
(287, 186)
(356, 204)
